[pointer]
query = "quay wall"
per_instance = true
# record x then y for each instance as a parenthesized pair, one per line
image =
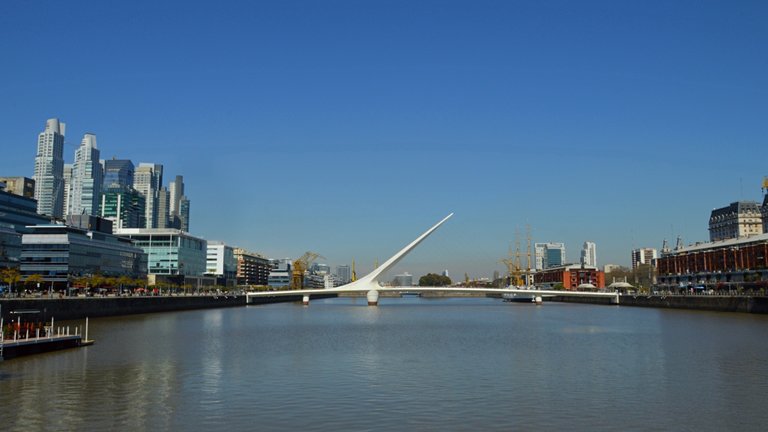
(72, 308)
(757, 305)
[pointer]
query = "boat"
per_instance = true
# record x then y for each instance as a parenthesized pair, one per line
(519, 297)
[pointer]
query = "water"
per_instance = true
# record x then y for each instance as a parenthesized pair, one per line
(409, 364)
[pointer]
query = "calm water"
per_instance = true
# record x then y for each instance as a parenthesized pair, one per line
(409, 364)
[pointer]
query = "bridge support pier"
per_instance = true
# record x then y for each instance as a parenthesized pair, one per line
(305, 300)
(373, 297)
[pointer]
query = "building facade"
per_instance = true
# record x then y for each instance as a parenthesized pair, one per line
(569, 276)
(717, 265)
(589, 254)
(343, 274)
(739, 219)
(49, 169)
(22, 186)
(642, 256)
(549, 255)
(84, 188)
(147, 180)
(403, 280)
(252, 268)
(124, 207)
(280, 273)
(59, 252)
(221, 263)
(118, 173)
(169, 251)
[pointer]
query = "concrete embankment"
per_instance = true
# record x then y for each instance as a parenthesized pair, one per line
(72, 308)
(757, 305)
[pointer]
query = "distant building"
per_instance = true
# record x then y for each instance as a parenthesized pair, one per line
(170, 251)
(18, 212)
(221, 263)
(281, 272)
(589, 254)
(739, 219)
(549, 255)
(84, 187)
(67, 186)
(252, 268)
(148, 180)
(58, 252)
(125, 207)
(22, 186)
(643, 256)
(570, 276)
(608, 268)
(118, 173)
(163, 208)
(49, 169)
(403, 280)
(343, 274)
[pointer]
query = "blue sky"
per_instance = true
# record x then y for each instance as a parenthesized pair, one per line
(349, 127)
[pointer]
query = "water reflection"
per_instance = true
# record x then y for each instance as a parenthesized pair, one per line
(454, 364)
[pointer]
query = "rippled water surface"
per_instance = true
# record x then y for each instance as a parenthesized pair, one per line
(409, 364)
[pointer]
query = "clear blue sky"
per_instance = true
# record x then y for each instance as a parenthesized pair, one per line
(349, 127)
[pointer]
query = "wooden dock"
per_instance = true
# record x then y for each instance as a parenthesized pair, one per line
(52, 339)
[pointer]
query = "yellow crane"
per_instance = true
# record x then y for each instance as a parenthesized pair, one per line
(300, 266)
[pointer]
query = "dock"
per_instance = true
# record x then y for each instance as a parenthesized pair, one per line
(51, 339)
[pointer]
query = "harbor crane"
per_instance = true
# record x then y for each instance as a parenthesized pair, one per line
(300, 266)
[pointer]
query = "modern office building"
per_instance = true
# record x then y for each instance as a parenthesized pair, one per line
(163, 208)
(176, 191)
(725, 264)
(589, 254)
(169, 251)
(642, 256)
(570, 277)
(86, 181)
(18, 212)
(739, 219)
(343, 274)
(22, 186)
(549, 255)
(252, 268)
(281, 272)
(58, 252)
(148, 180)
(221, 263)
(125, 207)
(183, 214)
(49, 169)
(118, 173)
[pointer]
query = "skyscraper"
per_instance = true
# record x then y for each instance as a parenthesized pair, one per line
(643, 256)
(589, 254)
(184, 214)
(176, 189)
(147, 180)
(118, 173)
(163, 198)
(49, 169)
(85, 189)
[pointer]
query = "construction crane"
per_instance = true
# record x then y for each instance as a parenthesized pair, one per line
(300, 266)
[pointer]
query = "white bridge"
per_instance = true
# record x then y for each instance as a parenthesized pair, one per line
(371, 286)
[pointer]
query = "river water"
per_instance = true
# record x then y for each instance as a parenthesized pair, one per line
(409, 364)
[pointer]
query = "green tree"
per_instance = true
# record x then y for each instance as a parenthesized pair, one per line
(33, 280)
(10, 276)
(436, 280)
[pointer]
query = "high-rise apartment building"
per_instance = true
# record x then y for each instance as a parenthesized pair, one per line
(549, 255)
(49, 169)
(176, 189)
(739, 219)
(343, 274)
(147, 180)
(67, 186)
(163, 208)
(85, 184)
(643, 256)
(589, 254)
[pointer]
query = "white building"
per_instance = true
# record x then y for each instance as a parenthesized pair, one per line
(87, 177)
(403, 280)
(281, 273)
(221, 262)
(549, 255)
(343, 274)
(589, 254)
(643, 256)
(49, 169)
